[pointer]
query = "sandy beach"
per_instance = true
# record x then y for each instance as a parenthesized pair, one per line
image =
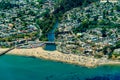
(58, 56)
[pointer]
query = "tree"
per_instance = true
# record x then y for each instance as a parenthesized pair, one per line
(117, 44)
(104, 32)
(117, 8)
(108, 50)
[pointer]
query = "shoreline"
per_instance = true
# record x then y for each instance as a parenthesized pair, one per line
(61, 57)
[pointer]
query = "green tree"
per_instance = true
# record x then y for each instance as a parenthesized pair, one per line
(104, 32)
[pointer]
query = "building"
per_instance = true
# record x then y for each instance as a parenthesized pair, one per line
(113, 1)
(103, 1)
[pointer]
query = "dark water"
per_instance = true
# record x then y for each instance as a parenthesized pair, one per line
(51, 38)
(50, 47)
(28, 68)
(51, 34)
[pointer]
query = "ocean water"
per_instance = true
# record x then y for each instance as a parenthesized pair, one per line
(29, 68)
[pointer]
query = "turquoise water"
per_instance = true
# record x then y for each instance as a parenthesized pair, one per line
(29, 68)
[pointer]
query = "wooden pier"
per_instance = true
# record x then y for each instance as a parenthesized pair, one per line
(4, 52)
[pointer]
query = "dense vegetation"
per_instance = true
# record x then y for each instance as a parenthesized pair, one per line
(7, 5)
(66, 5)
(46, 25)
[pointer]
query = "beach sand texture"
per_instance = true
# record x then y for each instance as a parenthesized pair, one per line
(58, 56)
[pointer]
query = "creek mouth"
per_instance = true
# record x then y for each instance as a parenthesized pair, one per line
(51, 38)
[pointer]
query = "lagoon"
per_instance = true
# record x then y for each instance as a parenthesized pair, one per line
(51, 38)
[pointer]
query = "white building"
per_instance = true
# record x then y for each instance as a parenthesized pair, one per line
(103, 1)
(113, 1)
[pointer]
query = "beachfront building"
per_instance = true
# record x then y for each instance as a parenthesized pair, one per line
(113, 1)
(103, 1)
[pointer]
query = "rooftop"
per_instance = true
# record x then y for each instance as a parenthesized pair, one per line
(113, 1)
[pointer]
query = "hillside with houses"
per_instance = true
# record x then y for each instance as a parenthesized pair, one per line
(90, 27)
(94, 30)
(28, 20)
(25, 20)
